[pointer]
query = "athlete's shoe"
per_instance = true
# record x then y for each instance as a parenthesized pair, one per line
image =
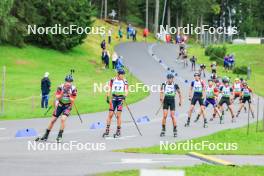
(187, 124)
(44, 137)
(196, 120)
(238, 112)
(175, 132)
(245, 109)
(212, 119)
(117, 134)
(106, 134)
(233, 120)
(205, 123)
(221, 120)
(162, 134)
(59, 139)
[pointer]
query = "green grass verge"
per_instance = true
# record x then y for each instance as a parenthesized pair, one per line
(252, 55)
(26, 66)
(202, 170)
(242, 144)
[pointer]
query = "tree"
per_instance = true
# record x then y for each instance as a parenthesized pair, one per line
(11, 30)
(156, 23)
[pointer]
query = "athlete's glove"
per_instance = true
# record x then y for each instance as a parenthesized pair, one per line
(107, 100)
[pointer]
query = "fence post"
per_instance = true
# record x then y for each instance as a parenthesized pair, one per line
(248, 72)
(3, 90)
(32, 103)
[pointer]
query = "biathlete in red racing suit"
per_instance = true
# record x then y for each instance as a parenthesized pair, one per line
(65, 96)
(118, 91)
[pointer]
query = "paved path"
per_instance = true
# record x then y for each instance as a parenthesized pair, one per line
(16, 159)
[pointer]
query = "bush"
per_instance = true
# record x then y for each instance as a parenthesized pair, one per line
(218, 60)
(240, 70)
(217, 51)
(208, 50)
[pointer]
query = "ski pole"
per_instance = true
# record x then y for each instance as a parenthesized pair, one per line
(257, 115)
(133, 118)
(159, 109)
(78, 113)
(49, 108)
(248, 120)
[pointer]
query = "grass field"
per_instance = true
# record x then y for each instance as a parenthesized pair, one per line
(252, 55)
(25, 68)
(251, 144)
(202, 170)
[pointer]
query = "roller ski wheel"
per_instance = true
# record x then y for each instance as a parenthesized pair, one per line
(162, 134)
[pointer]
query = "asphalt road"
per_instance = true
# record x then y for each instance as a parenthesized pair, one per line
(142, 60)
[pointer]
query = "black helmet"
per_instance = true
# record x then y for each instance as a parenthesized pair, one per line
(69, 78)
(121, 72)
(197, 74)
(210, 80)
(170, 76)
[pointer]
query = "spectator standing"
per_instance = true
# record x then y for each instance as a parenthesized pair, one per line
(128, 31)
(226, 58)
(106, 59)
(120, 33)
(110, 36)
(103, 45)
(114, 58)
(193, 61)
(119, 63)
(134, 34)
(104, 52)
(45, 90)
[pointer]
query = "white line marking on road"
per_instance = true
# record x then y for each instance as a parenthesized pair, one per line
(122, 137)
(2, 128)
(149, 160)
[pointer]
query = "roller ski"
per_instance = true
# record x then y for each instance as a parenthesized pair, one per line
(175, 132)
(44, 137)
(221, 120)
(233, 120)
(118, 132)
(59, 138)
(205, 124)
(162, 134)
(106, 134)
(197, 118)
(187, 124)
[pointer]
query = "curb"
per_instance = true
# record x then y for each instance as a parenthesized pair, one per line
(211, 159)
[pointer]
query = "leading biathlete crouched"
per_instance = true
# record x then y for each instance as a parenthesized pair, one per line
(118, 91)
(65, 96)
(167, 98)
